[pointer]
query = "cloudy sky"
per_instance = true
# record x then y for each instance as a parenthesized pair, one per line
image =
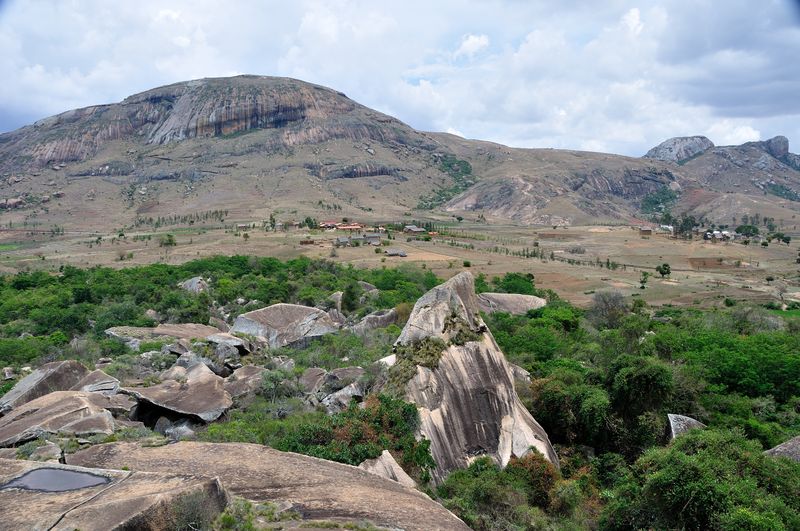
(617, 76)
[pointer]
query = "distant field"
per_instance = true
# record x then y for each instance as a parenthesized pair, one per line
(787, 313)
(5, 247)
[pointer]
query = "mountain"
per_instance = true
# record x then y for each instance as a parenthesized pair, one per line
(253, 145)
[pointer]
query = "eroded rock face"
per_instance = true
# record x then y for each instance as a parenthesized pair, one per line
(467, 404)
(680, 424)
(680, 149)
(199, 394)
(790, 449)
(55, 376)
(194, 285)
(121, 500)
(323, 489)
(285, 324)
(72, 412)
(512, 303)
(385, 466)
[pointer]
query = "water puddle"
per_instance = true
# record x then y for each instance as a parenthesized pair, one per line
(55, 480)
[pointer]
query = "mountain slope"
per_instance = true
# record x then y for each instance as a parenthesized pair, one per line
(252, 145)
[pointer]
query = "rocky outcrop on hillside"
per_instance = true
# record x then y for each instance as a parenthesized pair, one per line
(680, 424)
(466, 398)
(282, 325)
(385, 466)
(318, 489)
(680, 149)
(98, 499)
(55, 376)
(790, 449)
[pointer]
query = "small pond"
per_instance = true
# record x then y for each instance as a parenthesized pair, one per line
(55, 480)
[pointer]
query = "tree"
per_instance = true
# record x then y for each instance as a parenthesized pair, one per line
(246, 236)
(607, 309)
(664, 270)
(643, 279)
(350, 296)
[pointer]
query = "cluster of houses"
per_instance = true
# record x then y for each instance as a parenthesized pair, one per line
(370, 238)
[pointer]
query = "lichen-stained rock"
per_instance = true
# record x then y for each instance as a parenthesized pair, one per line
(284, 325)
(72, 412)
(386, 467)
(466, 399)
(790, 449)
(323, 490)
(55, 376)
(680, 424)
(117, 500)
(97, 382)
(200, 394)
(512, 303)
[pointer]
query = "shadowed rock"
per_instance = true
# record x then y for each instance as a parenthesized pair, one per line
(284, 325)
(55, 376)
(245, 381)
(680, 424)
(386, 467)
(512, 303)
(121, 500)
(790, 449)
(467, 403)
(71, 412)
(320, 489)
(200, 394)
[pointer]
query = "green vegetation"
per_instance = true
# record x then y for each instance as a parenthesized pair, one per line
(659, 201)
(458, 170)
(783, 191)
(41, 313)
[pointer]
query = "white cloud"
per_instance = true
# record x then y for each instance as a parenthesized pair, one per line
(619, 76)
(471, 45)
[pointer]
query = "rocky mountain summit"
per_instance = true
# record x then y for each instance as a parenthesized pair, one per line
(680, 149)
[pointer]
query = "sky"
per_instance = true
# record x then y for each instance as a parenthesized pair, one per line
(615, 76)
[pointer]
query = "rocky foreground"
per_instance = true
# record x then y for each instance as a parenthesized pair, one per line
(445, 361)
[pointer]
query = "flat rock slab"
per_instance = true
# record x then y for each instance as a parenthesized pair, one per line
(285, 324)
(319, 489)
(73, 412)
(122, 500)
(385, 466)
(202, 394)
(512, 303)
(244, 381)
(97, 382)
(177, 331)
(55, 376)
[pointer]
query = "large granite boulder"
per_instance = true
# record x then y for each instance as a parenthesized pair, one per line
(284, 325)
(467, 403)
(323, 490)
(375, 320)
(790, 449)
(512, 303)
(70, 412)
(680, 424)
(680, 149)
(109, 499)
(55, 376)
(195, 392)
(385, 466)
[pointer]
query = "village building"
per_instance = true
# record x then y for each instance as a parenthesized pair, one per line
(342, 241)
(393, 251)
(413, 229)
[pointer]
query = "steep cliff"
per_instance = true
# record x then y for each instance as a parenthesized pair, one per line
(462, 384)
